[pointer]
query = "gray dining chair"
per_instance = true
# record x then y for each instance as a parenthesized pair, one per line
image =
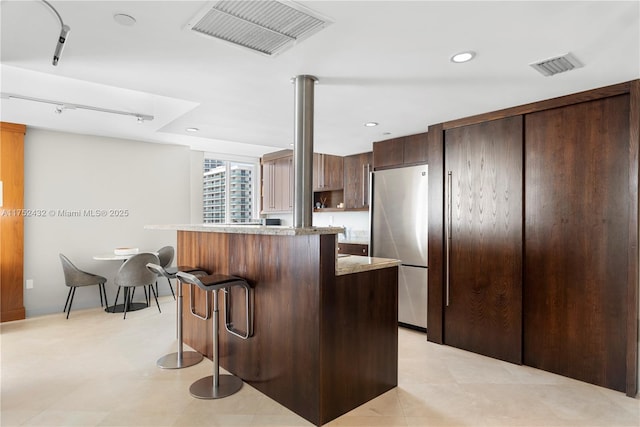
(134, 273)
(166, 254)
(75, 278)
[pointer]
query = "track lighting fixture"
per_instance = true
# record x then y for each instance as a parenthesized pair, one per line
(62, 106)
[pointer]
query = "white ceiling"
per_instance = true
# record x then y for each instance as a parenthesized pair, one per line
(382, 61)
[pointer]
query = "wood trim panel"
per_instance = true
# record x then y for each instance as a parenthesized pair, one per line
(13, 127)
(633, 276)
(12, 226)
(562, 101)
(435, 311)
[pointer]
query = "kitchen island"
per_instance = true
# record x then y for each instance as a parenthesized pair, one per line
(325, 327)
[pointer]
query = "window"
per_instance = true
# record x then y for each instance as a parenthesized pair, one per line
(228, 195)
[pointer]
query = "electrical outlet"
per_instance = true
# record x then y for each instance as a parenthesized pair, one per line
(29, 283)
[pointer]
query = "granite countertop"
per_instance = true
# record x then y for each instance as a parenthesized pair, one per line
(356, 264)
(276, 230)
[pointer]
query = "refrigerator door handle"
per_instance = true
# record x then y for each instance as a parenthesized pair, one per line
(448, 219)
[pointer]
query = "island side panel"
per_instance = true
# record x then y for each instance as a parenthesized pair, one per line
(359, 340)
(282, 358)
(210, 252)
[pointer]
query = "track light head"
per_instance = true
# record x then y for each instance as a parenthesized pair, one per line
(64, 31)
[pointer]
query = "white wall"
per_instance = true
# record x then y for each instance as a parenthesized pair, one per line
(78, 172)
(197, 168)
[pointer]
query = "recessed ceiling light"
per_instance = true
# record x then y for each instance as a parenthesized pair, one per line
(371, 124)
(124, 19)
(463, 57)
(192, 129)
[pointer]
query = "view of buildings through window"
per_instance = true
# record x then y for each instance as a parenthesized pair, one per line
(228, 195)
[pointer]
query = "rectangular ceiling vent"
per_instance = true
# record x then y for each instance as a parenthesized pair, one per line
(559, 64)
(265, 26)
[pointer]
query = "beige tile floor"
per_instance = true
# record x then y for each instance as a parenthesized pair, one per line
(97, 369)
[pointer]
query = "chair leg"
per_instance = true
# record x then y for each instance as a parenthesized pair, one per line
(147, 298)
(127, 298)
(116, 301)
(171, 287)
(104, 291)
(64, 310)
(71, 302)
(100, 293)
(155, 296)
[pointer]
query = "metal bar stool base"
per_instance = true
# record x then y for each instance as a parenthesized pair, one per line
(171, 361)
(227, 385)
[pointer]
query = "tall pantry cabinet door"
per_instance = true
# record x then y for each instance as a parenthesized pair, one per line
(483, 199)
(576, 228)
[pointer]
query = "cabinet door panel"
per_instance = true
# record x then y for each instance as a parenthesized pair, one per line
(388, 153)
(415, 149)
(576, 228)
(283, 183)
(356, 180)
(484, 311)
(268, 182)
(333, 172)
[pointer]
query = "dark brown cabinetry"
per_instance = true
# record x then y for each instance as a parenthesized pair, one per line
(566, 223)
(327, 172)
(403, 151)
(483, 220)
(577, 235)
(356, 181)
(353, 249)
(277, 182)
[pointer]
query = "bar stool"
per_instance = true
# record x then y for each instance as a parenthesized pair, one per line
(217, 386)
(180, 359)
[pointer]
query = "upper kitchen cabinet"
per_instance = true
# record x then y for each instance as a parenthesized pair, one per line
(404, 151)
(356, 181)
(415, 149)
(328, 172)
(277, 182)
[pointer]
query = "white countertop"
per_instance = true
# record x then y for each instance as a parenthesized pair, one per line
(276, 230)
(356, 264)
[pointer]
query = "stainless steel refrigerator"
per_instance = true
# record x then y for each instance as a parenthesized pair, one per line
(399, 230)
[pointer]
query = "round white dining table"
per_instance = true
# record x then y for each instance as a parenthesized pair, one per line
(119, 308)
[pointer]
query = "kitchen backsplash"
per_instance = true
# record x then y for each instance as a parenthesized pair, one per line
(356, 224)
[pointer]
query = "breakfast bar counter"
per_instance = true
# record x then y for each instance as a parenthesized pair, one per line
(325, 327)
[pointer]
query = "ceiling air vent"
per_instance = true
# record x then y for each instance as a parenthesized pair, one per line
(265, 26)
(559, 64)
